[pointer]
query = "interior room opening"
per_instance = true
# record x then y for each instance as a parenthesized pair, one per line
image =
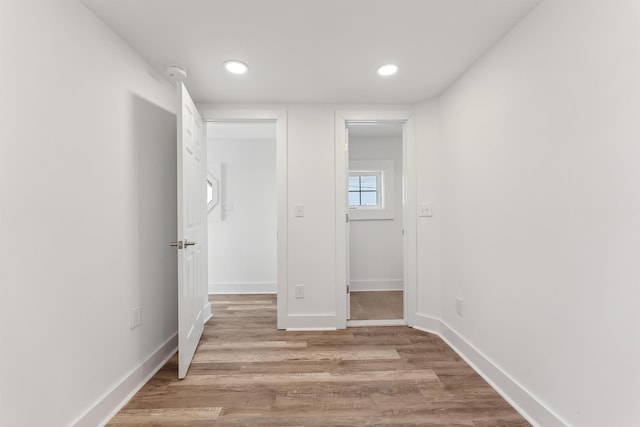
(242, 208)
(375, 231)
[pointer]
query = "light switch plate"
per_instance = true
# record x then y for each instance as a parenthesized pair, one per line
(135, 317)
(459, 306)
(425, 210)
(299, 210)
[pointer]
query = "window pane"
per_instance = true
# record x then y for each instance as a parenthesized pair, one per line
(369, 198)
(354, 198)
(354, 183)
(209, 192)
(369, 183)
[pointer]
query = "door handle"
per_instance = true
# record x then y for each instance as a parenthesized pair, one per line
(182, 244)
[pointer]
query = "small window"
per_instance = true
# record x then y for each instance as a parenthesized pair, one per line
(213, 192)
(365, 190)
(209, 191)
(371, 189)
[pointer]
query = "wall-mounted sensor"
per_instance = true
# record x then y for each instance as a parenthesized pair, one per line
(176, 73)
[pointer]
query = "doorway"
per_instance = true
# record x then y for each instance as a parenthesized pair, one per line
(242, 198)
(375, 206)
(377, 170)
(212, 114)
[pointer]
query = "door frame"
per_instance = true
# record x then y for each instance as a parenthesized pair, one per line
(216, 114)
(409, 205)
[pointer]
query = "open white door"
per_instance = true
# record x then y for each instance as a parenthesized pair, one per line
(192, 237)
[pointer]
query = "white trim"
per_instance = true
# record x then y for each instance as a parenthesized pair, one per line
(213, 113)
(243, 287)
(376, 322)
(426, 323)
(108, 406)
(410, 219)
(520, 398)
(376, 285)
(311, 322)
(208, 313)
(409, 206)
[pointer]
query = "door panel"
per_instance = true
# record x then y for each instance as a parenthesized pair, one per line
(192, 276)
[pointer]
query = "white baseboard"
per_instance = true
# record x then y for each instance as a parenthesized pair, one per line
(376, 285)
(109, 405)
(427, 323)
(522, 400)
(208, 314)
(382, 322)
(318, 322)
(243, 288)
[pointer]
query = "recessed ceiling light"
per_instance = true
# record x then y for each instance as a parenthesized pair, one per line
(388, 69)
(236, 67)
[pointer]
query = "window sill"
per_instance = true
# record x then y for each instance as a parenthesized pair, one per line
(370, 214)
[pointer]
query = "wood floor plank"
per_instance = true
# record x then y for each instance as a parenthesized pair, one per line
(312, 377)
(283, 356)
(249, 345)
(245, 302)
(372, 305)
(165, 416)
(248, 373)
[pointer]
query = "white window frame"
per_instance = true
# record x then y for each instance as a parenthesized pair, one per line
(212, 182)
(384, 210)
(379, 200)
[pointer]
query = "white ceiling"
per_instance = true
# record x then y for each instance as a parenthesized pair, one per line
(313, 51)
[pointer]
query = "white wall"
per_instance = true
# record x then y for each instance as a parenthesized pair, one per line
(242, 246)
(541, 208)
(87, 183)
(428, 151)
(310, 137)
(376, 245)
(311, 182)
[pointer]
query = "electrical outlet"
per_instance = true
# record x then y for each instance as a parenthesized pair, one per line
(299, 291)
(459, 306)
(135, 317)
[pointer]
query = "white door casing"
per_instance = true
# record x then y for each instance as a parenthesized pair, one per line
(216, 114)
(410, 220)
(192, 229)
(408, 203)
(347, 223)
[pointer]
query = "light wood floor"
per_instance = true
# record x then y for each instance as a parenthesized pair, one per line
(376, 305)
(247, 373)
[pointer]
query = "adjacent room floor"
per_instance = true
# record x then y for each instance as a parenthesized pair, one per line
(376, 305)
(247, 373)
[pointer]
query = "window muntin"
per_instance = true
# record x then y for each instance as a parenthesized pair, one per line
(365, 190)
